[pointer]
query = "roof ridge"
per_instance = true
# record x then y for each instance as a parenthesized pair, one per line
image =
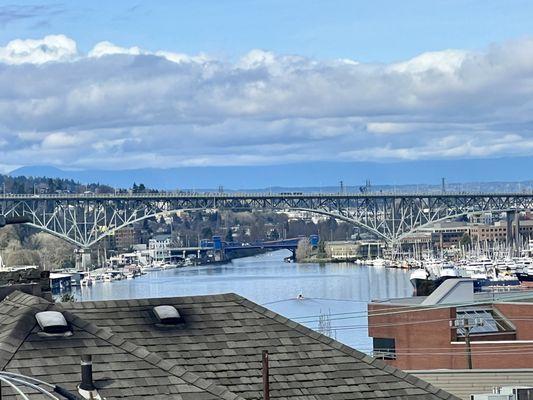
(413, 380)
(15, 335)
(19, 297)
(141, 352)
(146, 301)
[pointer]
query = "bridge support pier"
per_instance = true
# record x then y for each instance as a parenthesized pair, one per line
(509, 216)
(517, 233)
(83, 259)
(513, 231)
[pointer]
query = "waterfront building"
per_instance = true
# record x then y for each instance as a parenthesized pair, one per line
(158, 247)
(342, 250)
(190, 348)
(449, 234)
(453, 330)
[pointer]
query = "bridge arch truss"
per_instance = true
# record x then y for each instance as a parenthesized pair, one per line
(85, 219)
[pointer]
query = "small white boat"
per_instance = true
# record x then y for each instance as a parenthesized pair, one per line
(108, 277)
(151, 268)
(86, 281)
(448, 270)
(380, 262)
(130, 275)
(167, 265)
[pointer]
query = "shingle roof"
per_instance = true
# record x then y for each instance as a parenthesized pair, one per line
(122, 368)
(214, 353)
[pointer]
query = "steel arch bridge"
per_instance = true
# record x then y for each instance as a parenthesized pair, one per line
(85, 219)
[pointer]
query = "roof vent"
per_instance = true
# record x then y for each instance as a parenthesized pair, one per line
(52, 322)
(167, 315)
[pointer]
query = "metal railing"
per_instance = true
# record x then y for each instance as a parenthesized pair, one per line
(22, 384)
(167, 195)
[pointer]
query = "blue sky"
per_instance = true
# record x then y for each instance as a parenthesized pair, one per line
(122, 85)
(370, 31)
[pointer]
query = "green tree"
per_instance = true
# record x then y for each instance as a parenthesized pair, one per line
(207, 233)
(229, 236)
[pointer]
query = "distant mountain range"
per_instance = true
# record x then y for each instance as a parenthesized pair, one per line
(474, 174)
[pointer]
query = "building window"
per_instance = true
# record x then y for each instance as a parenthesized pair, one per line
(385, 348)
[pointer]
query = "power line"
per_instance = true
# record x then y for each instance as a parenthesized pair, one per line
(422, 321)
(414, 308)
(314, 298)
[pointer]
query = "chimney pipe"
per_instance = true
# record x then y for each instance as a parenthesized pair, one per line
(266, 380)
(87, 373)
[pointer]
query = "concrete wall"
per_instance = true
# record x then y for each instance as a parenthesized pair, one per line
(463, 383)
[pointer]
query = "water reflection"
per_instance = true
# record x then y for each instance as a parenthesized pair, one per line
(266, 279)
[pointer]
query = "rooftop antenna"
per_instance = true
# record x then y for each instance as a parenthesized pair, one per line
(443, 185)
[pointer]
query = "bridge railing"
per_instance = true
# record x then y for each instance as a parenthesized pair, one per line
(241, 195)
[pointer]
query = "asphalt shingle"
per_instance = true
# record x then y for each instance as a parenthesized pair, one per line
(215, 352)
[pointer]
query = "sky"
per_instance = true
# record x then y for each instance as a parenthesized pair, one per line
(151, 84)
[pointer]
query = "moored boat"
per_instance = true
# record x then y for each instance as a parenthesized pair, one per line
(423, 282)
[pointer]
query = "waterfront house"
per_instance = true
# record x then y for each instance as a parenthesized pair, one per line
(158, 247)
(200, 347)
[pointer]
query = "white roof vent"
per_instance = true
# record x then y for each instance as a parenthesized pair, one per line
(52, 322)
(167, 315)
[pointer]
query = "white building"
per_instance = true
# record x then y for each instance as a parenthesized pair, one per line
(158, 247)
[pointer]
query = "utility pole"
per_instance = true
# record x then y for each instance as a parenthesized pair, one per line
(466, 325)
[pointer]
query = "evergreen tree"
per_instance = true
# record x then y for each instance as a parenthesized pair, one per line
(229, 236)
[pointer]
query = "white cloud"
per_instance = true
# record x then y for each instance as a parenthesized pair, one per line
(123, 107)
(388, 127)
(50, 48)
(446, 62)
(107, 48)
(62, 140)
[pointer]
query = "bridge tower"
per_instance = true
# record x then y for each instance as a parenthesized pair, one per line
(83, 259)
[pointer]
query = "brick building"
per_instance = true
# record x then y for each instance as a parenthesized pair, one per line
(126, 237)
(450, 234)
(417, 333)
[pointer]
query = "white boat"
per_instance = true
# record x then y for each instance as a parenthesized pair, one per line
(167, 265)
(448, 270)
(423, 281)
(108, 277)
(130, 275)
(151, 268)
(86, 281)
(380, 262)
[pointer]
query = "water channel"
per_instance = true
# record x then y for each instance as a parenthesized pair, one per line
(339, 292)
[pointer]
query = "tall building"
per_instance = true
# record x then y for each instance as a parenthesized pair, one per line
(126, 237)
